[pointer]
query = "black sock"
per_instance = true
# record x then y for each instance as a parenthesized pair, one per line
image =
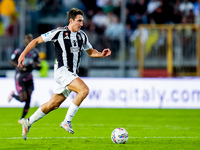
(26, 108)
(16, 97)
(25, 111)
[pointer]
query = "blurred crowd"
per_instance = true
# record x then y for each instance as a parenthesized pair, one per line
(101, 16)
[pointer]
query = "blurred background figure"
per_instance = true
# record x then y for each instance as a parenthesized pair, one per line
(196, 11)
(23, 76)
(185, 7)
(100, 20)
(44, 65)
(8, 13)
(112, 32)
(177, 16)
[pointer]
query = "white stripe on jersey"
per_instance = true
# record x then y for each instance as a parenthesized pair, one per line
(62, 45)
(74, 39)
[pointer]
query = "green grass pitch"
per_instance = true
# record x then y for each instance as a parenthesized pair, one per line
(149, 129)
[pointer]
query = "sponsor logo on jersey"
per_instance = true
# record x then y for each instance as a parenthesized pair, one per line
(74, 49)
(46, 33)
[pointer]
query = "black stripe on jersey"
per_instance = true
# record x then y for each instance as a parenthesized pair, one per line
(70, 55)
(80, 43)
(56, 36)
(58, 53)
(85, 36)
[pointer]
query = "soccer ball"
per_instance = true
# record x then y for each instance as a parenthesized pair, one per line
(119, 136)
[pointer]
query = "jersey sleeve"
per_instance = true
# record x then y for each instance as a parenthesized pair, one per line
(51, 35)
(86, 43)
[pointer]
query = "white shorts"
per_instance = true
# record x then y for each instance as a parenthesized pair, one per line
(63, 77)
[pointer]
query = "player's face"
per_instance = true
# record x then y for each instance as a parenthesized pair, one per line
(77, 23)
(28, 39)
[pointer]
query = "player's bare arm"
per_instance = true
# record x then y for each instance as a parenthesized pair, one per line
(94, 53)
(28, 48)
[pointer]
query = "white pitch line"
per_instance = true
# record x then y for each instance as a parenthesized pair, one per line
(175, 137)
(37, 138)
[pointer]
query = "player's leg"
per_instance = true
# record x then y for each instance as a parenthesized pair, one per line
(25, 96)
(24, 122)
(27, 104)
(12, 95)
(21, 89)
(53, 104)
(21, 97)
(28, 88)
(82, 90)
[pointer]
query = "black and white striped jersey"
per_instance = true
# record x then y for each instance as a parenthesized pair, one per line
(68, 47)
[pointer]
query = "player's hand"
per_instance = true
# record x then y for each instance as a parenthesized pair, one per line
(21, 61)
(106, 52)
(23, 68)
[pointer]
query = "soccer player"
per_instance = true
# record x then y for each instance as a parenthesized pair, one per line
(69, 41)
(23, 75)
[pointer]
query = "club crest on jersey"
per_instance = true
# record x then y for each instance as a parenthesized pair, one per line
(74, 49)
(67, 37)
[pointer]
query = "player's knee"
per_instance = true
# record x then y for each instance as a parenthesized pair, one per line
(22, 99)
(85, 92)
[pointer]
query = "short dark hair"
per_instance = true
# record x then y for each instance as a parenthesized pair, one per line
(29, 35)
(73, 13)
